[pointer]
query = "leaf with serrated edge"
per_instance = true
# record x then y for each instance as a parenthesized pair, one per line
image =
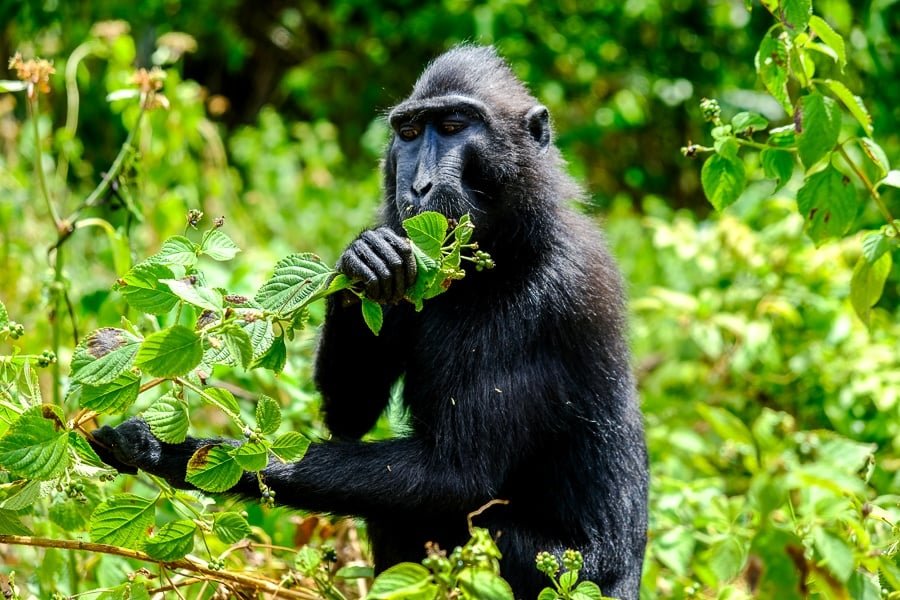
(853, 103)
(177, 250)
(34, 448)
(406, 580)
(104, 355)
(168, 419)
(230, 527)
(143, 291)
(819, 128)
(122, 520)
(268, 415)
(196, 295)
(296, 281)
(223, 399)
(213, 469)
(218, 246)
(372, 315)
(11, 524)
(427, 231)
(252, 456)
(172, 352)
(828, 203)
(112, 397)
(722, 180)
(173, 540)
(290, 446)
(831, 38)
(771, 64)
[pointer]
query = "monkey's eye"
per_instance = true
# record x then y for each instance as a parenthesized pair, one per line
(451, 126)
(408, 132)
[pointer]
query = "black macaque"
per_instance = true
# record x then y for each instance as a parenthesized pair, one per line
(517, 380)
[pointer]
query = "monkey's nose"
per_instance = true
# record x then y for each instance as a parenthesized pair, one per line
(421, 188)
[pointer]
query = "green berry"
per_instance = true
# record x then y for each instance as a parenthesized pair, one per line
(572, 560)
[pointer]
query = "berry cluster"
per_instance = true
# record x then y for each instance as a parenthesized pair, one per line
(547, 564)
(483, 260)
(46, 358)
(267, 495)
(16, 330)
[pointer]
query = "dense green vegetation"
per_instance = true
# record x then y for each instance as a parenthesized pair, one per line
(766, 333)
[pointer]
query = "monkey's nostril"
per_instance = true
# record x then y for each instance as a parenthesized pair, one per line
(421, 189)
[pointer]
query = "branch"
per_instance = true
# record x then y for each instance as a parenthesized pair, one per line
(257, 584)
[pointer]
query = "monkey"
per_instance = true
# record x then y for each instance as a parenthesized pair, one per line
(517, 380)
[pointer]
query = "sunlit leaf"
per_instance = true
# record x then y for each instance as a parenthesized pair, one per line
(173, 540)
(213, 469)
(172, 352)
(123, 520)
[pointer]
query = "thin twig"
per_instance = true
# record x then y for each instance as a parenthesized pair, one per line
(258, 584)
(871, 189)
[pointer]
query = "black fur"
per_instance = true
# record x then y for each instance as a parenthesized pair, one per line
(517, 380)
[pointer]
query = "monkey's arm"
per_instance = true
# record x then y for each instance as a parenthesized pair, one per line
(355, 368)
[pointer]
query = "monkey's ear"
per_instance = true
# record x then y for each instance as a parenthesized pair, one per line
(537, 120)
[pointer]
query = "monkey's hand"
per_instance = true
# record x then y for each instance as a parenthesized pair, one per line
(383, 262)
(132, 446)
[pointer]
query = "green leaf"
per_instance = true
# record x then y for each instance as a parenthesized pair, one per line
(212, 468)
(867, 284)
(548, 594)
(173, 540)
(427, 230)
(723, 180)
(749, 123)
(112, 397)
(194, 294)
(275, 357)
(771, 64)
(589, 591)
(838, 556)
(426, 270)
(892, 179)
(875, 244)
(218, 246)
(818, 126)
(22, 496)
(290, 446)
(177, 250)
(464, 230)
(168, 419)
(568, 579)
(262, 336)
(853, 103)
(143, 291)
(307, 560)
(297, 280)
(11, 524)
(222, 399)
(796, 14)
(268, 415)
(11, 85)
(230, 527)
(831, 38)
(252, 456)
(237, 340)
(864, 586)
(104, 355)
(34, 447)
(777, 165)
(4, 316)
(876, 156)
(172, 352)
(828, 203)
(354, 572)
(481, 584)
(406, 581)
(372, 315)
(84, 452)
(123, 520)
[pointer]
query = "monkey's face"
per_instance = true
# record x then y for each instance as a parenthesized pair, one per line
(436, 157)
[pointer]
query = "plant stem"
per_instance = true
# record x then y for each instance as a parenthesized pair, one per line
(114, 170)
(72, 100)
(39, 162)
(258, 584)
(871, 189)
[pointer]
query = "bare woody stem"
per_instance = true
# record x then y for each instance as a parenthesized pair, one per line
(258, 584)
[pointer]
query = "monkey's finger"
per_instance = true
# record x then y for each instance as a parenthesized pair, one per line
(403, 248)
(384, 243)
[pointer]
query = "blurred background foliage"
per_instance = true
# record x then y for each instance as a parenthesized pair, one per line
(764, 396)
